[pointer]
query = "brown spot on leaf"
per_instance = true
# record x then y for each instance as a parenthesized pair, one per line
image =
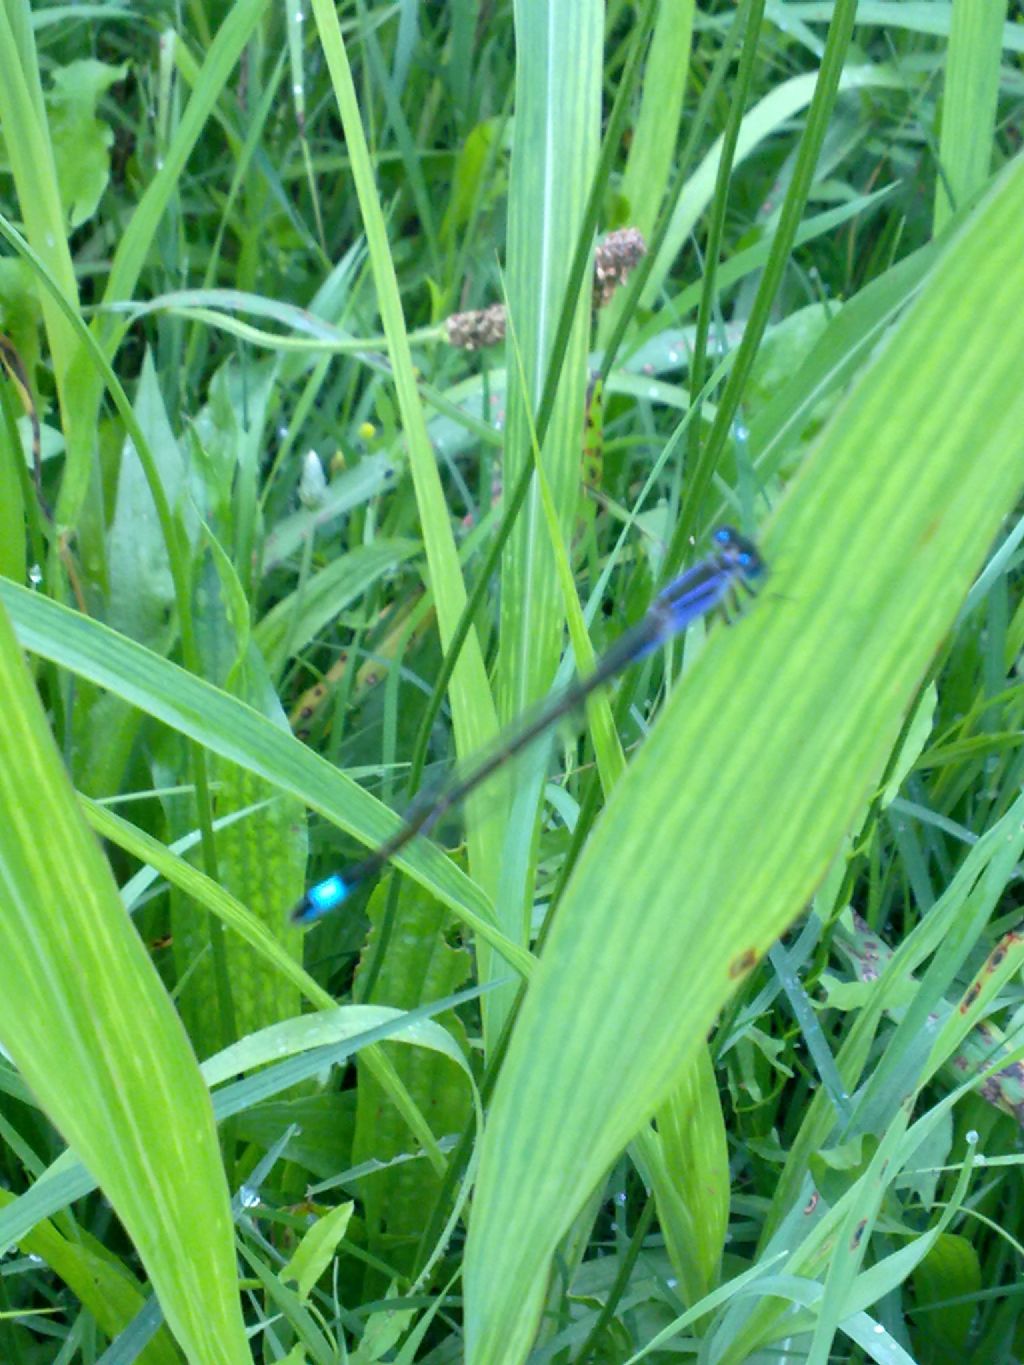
(744, 964)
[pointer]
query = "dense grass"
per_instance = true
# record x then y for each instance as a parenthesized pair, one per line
(697, 1036)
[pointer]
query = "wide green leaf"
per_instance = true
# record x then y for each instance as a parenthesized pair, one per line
(730, 815)
(85, 1017)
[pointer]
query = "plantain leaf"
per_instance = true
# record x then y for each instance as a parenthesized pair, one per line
(718, 834)
(91, 1029)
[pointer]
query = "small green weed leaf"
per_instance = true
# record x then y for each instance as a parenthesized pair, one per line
(950, 1272)
(141, 590)
(317, 1249)
(81, 142)
(913, 744)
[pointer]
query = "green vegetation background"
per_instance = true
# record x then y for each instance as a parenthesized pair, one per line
(271, 547)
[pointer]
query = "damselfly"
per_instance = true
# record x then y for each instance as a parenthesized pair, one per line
(733, 564)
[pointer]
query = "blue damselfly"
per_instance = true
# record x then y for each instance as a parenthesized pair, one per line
(733, 564)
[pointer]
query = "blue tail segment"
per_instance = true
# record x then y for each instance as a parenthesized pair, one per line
(321, 899)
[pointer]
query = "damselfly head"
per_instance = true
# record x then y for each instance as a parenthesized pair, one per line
(735, 552)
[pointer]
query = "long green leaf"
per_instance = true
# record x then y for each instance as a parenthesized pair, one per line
(87, 1020)
(29, 150)
(761, 122)
(728, 819)
(473, 713)
(559, 66)
(657, 123)
(553, 161)
(968, 104)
